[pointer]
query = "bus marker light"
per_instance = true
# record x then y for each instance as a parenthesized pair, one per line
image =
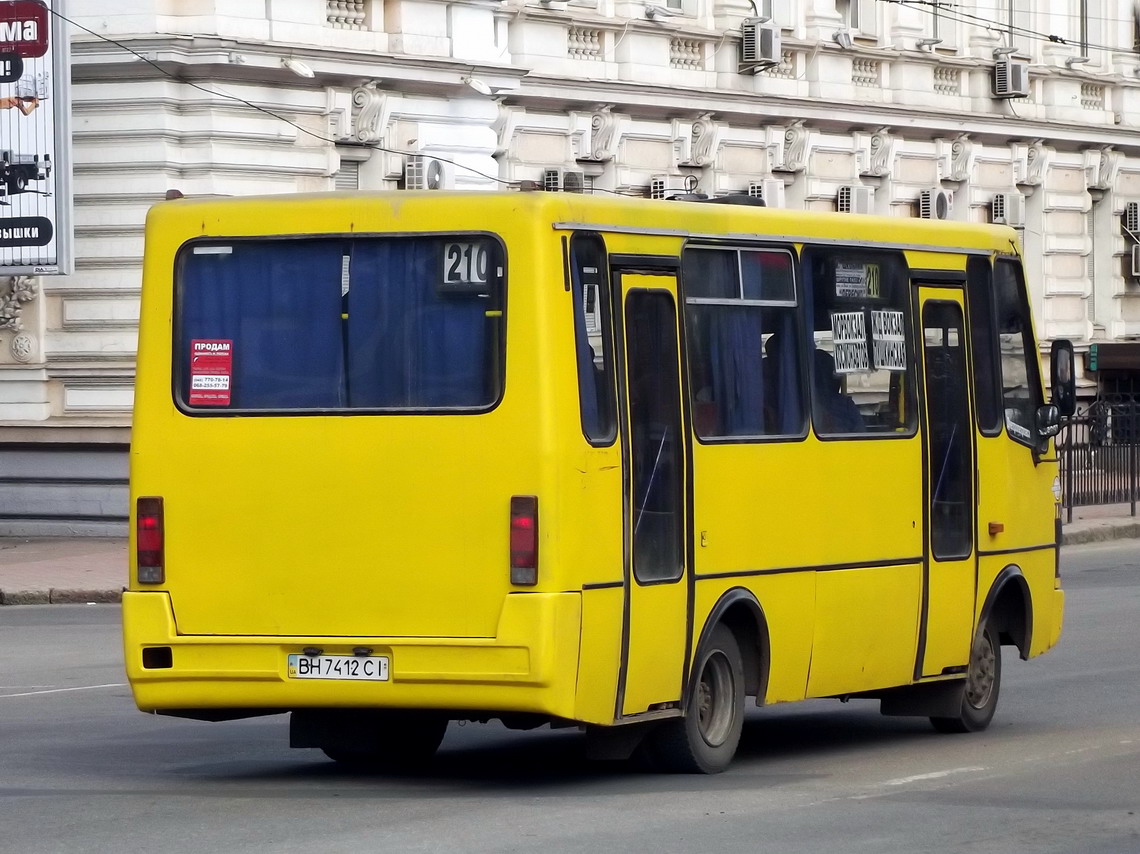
(524, 539)
(149, 541)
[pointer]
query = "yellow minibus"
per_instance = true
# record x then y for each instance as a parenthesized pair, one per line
(405, 458)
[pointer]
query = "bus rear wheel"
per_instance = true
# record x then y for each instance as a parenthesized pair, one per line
(385, 740)
(705, 739)
(980, 693)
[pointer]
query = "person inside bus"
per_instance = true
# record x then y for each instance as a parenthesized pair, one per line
(835, 412)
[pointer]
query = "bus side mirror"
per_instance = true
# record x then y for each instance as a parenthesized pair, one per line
(1062, 379)
(1048, 421)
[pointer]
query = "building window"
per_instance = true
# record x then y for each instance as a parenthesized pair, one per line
(861, 17)
(1015, 17)
(1092, 26)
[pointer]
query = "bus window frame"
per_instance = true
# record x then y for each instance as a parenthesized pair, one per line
(911, 387)
(178, 340)
(795, 304)
(983, 298)
(1030, 348)
(605, 307)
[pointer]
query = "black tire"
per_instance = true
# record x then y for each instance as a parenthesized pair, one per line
(983, 684)
(387, 741)
(705, 739)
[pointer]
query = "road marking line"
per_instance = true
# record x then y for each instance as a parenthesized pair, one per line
(934, 775)
(61, 690)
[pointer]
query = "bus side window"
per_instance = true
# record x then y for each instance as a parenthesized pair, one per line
(987, 380)
(862, 370)
(590, 290)
(743, 331)
(1020, 378)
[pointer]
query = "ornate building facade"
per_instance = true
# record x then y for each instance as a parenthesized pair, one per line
(1024, 112)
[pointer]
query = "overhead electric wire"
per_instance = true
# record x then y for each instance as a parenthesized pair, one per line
(221, 94)
(944, 10)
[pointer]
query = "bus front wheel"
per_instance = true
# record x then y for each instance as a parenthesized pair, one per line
(980, 693)
(705, 739)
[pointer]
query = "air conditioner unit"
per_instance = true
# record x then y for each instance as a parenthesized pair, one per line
(935, 203)
(760, 45)
(657, 187)
(1136, 260)
(769, 190)
(552, 180)
(565, 180)
(858, 200)
(426, 173)
(573, 181)
(1130, 219)
(1008, 209)
(1011, 78)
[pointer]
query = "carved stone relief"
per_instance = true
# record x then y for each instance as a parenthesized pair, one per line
(505, 125)
(1036, 160)
(962, 154)
(603, 135)
(795, 147)
(1104, 169)
(704, 141)
(23, 347)
(19, 290)
(880, 157)
(372, 113)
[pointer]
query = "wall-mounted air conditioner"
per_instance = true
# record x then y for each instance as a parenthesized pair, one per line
(426, 173)
(1136, 260)
(1130, 219)
(935, 203)
(1011, 78)
(565, 180)
(760, 45)
(769, 190)
(858, 200)
(1008, 209)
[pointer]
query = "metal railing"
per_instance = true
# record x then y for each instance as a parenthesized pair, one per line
(1099, 450)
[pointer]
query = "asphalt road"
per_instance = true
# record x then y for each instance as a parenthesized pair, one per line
(1058, 771)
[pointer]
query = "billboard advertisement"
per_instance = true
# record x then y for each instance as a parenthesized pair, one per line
(35, 185)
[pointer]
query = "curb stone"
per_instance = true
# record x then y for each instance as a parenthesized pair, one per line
(1101, 533)
(58, 596)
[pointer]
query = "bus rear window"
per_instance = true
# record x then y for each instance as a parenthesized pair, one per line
(392, 323)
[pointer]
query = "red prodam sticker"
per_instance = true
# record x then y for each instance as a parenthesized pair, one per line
(211, 367)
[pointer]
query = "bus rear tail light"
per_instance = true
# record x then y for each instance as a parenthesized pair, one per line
(524, 539)
(149, 541)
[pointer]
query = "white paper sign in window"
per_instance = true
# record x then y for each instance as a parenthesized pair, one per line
(889, 333)
(857, 280)
(849, 333)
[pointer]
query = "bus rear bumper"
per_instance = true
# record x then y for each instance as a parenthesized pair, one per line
(530, 666)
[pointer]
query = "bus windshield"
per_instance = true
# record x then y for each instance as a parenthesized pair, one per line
(340, 323)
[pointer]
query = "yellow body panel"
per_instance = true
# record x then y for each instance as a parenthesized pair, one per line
(391, 532)
(866, 628)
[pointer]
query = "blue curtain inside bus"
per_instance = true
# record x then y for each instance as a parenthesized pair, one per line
(411, 344)
(395, 339)
(279, 303)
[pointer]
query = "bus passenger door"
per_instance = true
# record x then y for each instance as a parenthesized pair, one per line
(654, 478)
(951, 575)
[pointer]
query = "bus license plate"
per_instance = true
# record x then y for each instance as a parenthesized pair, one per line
(373, 667)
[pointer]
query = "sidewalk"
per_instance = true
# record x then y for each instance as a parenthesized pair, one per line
(88, 569)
